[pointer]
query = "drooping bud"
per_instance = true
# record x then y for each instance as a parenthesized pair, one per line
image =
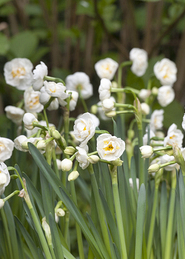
(70, 150)
(146, 151)
(153, 168)
(66, 165)
(111, 114)
(73, 175)
(94, 109)
(93, 159)
(41, 144)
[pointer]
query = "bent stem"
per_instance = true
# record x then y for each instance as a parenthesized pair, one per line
(113, 171)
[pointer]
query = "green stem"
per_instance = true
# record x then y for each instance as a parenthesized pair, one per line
(121, 66)
(101, 131)
(11, 195)
(46, 118)
(152, 223)
(142, 177)
(7, 233)
(48, 103)
(54, 79)
(66, 230)
(100, 211)
(118, 212)
(82, 100)
(169, 232)
(122, 105)
(66, 121)
(78, 230)
(55, 164)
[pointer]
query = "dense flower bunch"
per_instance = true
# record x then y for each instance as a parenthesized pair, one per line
(79, 145)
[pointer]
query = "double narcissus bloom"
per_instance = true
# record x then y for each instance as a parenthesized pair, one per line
(4, 177)
(39, 73)
(156, 121)
(14, 113)
(165, 95)
(166, 71)
(139, 60)
(31, 100)
(6, 149)
(106, 68)
(110, 147)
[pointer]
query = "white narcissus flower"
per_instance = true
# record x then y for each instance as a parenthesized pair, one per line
(66, 164)
(144, 94)
(174, 136)
(73, 176)
(145, 108)
(82, 157)
(156, 121)
(146, 151)
(14, 113)
(80, 82)
(139, 57)
(108, 104)
(110, 147)
(4, 177)
(73, 100)
(101, 112)
(18, 73)
(106, 68)
(56, 89)
(18, 143)
(31, 100)
(166, 71)
(84, 128)
(39, 73)
(104, 89)
(44, 98)
(6, 149)
(28, 120)
(94, 118)
(165, 95)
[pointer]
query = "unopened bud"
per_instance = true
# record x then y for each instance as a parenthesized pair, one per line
(60, 212)
(93, 159)
(155, 91)
(117, 162)
(70, 150)
(1, 203)
(55, 134)
(66, 165)
(130, 134)
(47, 230)
(110, 114)
(114, 84)
(153, 168)
(94, 109)
(146, 151)
(145, 108)
(73, 175)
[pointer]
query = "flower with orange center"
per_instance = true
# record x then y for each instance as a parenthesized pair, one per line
(110, 147)
(106, 68)
(18, 73)
(174, 136)
(31, 100)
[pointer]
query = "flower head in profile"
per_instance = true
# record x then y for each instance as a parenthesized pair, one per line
(28, 120)
(73, 99)
(110, 147)
(165, 95)
(139, 58)
(144, 94)
(95, 119)
(108, 104)
(55, 89)
(18, 73)
(156, 121)
(174, 136)
(80, 82)
(106, 68)
(166, 71)
(146, 151)
(4, 177)
(84, 128)
(6, 148)
(104, 89)
(15, 114)
(18, 143)
(82, 157)
(39, 73)
(31, 100)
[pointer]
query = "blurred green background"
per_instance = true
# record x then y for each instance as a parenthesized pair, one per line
(72, 35)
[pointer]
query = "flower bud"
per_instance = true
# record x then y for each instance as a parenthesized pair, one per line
(66, 165)
(155, 91)
(60, 212)
(145, 108)
(94, 109)
(70, 150)
(117, 162)
(47, 230)
(73, 175)
(93, 159)
(146, 151)
(55, 134)
(110, 114)
(1, 203)
(114, 84)
(153, 168)
(130, 134)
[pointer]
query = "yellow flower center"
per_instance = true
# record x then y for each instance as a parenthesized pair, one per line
(52, 90)
(18, 72)
(34, 102)
(109, 147)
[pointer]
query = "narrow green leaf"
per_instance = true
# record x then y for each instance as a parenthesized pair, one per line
(141, 209)
(113, 254)
(55, 238)
(28, 239)
(182, 200)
